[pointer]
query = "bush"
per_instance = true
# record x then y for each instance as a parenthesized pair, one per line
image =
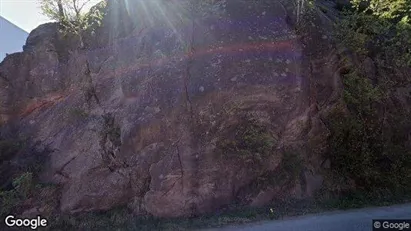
(21, 162)
(250, 142)
(362, 148)
(378, 35)
(8, 200)
(23, 185)
(368, 142)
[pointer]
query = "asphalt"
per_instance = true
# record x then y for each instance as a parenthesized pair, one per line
(350, 220)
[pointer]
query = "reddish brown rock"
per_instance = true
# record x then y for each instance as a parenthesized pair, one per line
(140, 119)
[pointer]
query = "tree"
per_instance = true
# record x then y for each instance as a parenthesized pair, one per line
(369, 133)
(389, 9)
(380, 29)
(73, 15)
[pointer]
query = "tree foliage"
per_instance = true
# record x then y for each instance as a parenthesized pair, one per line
(379, 28)
(389, 9)
(369, 141)
(73, 15)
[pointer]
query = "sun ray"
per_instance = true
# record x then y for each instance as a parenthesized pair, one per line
(167, 20)
(147, 13)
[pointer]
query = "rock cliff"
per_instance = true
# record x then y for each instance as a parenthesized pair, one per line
(175, 108)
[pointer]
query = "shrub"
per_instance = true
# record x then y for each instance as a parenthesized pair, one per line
(73, 17)
(362, 148)
(23, 185)
(368, 141)
(379, 35)
(250, 142)
(8, 200)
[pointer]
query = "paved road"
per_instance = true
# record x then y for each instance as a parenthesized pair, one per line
(352, 220)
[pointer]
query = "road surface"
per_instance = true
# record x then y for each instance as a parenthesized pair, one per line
(351, 220)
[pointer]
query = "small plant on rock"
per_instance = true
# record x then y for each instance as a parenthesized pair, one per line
(251, 142)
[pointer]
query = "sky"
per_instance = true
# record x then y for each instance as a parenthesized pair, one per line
(25, 14)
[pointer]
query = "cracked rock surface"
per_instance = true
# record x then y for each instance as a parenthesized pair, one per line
(151, 119)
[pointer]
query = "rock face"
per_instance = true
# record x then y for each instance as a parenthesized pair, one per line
(194, 108)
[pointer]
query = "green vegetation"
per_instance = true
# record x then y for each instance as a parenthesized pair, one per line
(367, 147)
(72, 16)
(396, 10)
(20, 164)
(8, 200)
(22, 188)
(78, 113)
(305, 15)
(23, 184)
(380, 29)
(369, 132)
(251, 142)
